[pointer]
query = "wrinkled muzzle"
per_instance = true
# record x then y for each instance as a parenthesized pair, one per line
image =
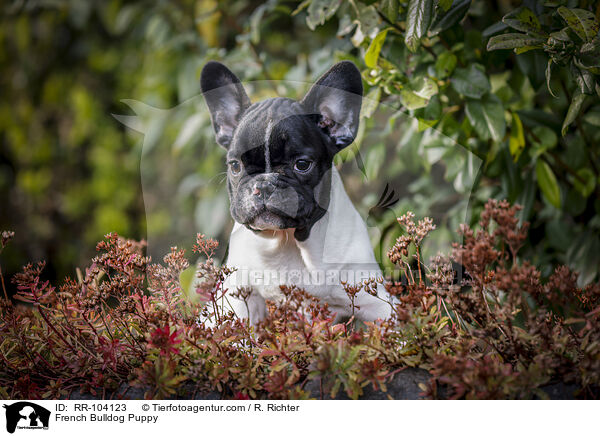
(267, 202)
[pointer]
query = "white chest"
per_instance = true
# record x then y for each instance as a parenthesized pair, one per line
(265, 263)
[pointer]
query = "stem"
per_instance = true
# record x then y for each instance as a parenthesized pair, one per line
(88, 323)
(49, 324)
(105, 325)
(419, 265)
(386, 301)
(379, 350)
(388, 21)
(412, 278)
(447, 312)
(3, 286)
(142, 349)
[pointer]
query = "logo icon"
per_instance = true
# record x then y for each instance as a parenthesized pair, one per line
(26, 415)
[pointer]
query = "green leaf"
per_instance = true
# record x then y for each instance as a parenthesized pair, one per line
(584, 79)
(589, 56)
(443, 20)
(487, 117)
(526, 198)
(445, 4)
(582, 255)
(390, 9)
(416, 94)
(573, 111)
(585, 183)
(542, 139)
(445, 64)
(372, 54)
(492, 153)
(433, 111)
(574, 203)
(320, 11)
(374, 160)
(412, 101)
(523, 19)
(368, 23)
(370, 102)
(545, 136)
(549, 77)
(493, 29)
(255, 21)
(547, 183)
(582, 22)
(514, 40)
(418, 18)
(533, 66)
(559, 38)
(424, 87)
(186, 278)
(592, 118)
(525, 49)
(471, 82)
(516, 142)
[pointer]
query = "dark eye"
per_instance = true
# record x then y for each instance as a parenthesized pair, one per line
(235, 166)
(303, 165)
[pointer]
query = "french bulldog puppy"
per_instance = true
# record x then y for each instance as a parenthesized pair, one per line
(294, 222)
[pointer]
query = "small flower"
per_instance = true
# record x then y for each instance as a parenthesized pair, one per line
(206, 290)
(407, 221)
(441, 274)
(109, 350)
(165, 341)
(7, 235)
(400, 249)
(206, 246)
(355, 338)
(423, 228)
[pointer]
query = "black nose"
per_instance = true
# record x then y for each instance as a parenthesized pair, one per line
(262, 187)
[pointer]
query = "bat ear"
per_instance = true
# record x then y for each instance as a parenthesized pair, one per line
(226, 99)
(336, 98)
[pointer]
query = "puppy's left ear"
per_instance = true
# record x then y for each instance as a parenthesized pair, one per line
(336, 98)
(226, 99)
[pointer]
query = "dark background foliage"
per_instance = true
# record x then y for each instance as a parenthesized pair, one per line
(69, 171)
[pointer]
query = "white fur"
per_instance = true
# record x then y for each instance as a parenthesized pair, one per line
(337, 242)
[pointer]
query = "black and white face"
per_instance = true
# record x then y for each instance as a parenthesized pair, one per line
(280, 151)
(278, 167)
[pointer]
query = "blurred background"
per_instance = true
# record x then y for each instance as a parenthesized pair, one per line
(101, 123)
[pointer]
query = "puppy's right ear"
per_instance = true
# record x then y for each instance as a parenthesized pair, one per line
(337, 99)
(226, 99)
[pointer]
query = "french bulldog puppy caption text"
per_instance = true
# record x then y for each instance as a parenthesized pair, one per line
(150, 413)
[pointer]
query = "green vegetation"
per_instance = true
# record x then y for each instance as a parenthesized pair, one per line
(480, 100)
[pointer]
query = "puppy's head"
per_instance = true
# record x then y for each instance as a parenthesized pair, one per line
(280, 151)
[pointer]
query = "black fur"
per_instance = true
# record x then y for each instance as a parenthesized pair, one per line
(269, 142)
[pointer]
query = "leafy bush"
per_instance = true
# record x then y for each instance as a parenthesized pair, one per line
(531, 116)
(426, 59)
(500, 333)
